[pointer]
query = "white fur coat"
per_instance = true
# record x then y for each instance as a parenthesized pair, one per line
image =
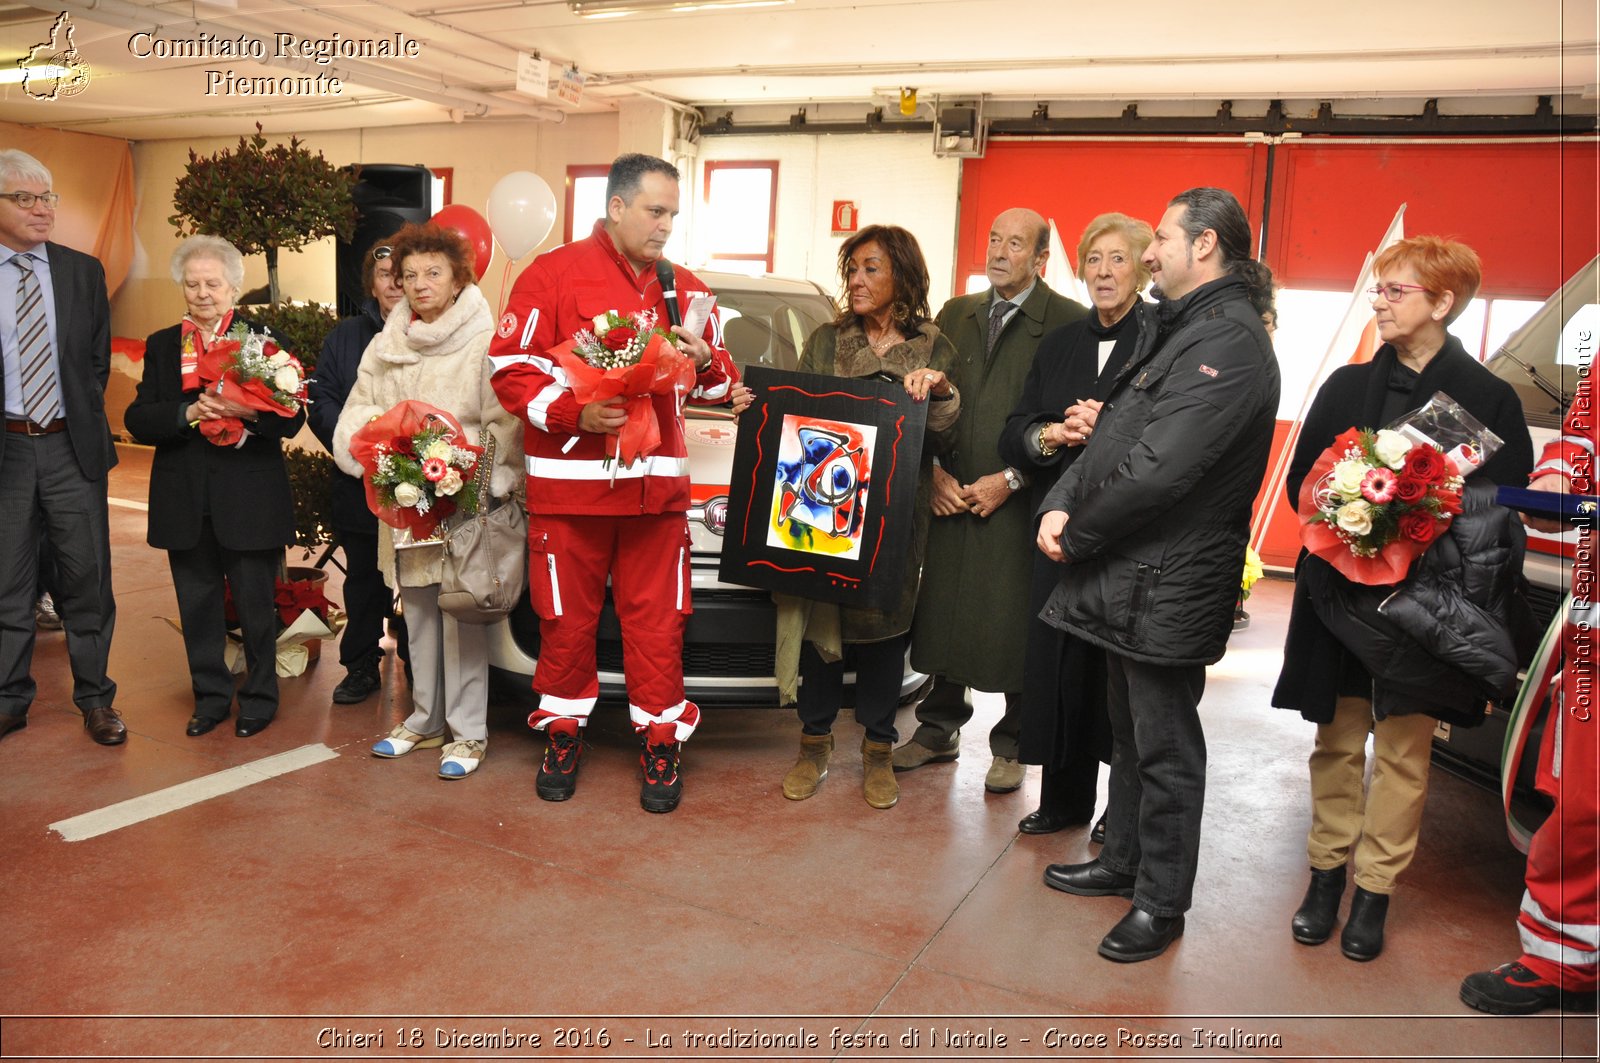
(444, 363)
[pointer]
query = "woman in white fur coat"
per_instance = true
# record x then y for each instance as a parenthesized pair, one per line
(434, 347)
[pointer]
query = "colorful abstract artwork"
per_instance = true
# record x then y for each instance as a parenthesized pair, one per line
(819, 497)
(823, 485)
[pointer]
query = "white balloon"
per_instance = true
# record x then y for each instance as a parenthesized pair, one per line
(521, 211)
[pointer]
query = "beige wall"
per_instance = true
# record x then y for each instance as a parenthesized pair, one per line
(893, 180)
(480, 155)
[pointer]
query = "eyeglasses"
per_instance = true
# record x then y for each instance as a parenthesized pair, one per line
(381, 253)
(1393, 292)
(26, 200)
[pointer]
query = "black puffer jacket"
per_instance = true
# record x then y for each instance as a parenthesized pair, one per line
(1446, 640)
(1159, 503)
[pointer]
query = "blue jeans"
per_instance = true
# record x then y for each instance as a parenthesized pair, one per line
(1158, 780)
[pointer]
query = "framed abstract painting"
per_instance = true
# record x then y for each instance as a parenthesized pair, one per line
(823, 484)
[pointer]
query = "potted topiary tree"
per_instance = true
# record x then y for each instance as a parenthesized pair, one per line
(266, 199)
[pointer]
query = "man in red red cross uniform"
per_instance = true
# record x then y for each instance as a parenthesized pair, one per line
(1559, 922)
(590, 518)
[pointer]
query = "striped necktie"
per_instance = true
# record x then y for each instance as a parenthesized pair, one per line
(997, 321)
(38, 374)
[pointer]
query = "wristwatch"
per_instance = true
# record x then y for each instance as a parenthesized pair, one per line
(1045, 449)
(1013, 481)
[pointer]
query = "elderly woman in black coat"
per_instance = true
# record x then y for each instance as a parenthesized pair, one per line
(1063, 712)
(1424, 283)
(223, 513)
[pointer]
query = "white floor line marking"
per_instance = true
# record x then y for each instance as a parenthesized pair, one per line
(129, 504)
(138, 809)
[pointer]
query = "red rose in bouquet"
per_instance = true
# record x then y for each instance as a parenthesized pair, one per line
(249, 368)
(631, 358)
(400, 450)
(1374, 501)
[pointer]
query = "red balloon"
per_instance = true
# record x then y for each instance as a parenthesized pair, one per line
(472, 225)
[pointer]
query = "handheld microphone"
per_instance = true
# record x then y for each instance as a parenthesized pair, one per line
(669, 290)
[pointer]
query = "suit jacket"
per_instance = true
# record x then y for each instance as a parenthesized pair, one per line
(243, 489)
(83, 350)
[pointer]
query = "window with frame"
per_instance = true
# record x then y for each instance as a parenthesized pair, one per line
(741, 198)
(585, 200)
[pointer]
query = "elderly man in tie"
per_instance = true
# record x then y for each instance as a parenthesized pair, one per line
(55, 452)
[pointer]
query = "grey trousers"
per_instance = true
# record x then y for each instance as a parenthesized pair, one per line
(43, 495)
(449, 669)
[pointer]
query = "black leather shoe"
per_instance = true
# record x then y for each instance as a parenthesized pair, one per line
(199, 725)
(1089, 880)
(1098, 835)
(248, 726)
(1140, 936)
(1362, 939)
(1041, 822)
(1319, 911)
(9, 723)
(105, 726)
(359, 685)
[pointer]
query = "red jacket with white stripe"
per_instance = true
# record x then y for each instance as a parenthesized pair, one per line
(1572, 454)
(561, 292)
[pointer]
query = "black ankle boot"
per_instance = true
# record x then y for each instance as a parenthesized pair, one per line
(1320, 910)
(1363, 934)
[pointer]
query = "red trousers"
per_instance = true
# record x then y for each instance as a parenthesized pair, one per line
(647, 560)
(1560, 918)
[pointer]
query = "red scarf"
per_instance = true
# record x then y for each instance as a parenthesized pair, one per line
(194, 344)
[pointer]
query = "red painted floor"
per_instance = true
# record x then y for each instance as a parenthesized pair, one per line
(360, 908)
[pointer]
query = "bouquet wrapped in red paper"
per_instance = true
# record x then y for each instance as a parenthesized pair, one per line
(1375, 500)
(632, 358)
(249, 368)
(419, 467)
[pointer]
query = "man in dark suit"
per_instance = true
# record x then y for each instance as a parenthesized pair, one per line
(980, 555)
(55, 452)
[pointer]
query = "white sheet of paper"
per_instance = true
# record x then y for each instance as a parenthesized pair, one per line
(699, 312)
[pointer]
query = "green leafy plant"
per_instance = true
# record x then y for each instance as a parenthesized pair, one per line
(263, 199)
(311, 474)
(301, 328)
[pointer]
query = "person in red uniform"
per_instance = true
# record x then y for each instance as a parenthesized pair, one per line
(1560, 917)
(590, 517)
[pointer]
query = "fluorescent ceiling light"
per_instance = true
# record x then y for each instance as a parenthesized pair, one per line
(619, 8)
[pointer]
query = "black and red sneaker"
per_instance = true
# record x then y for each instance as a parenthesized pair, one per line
(663, 786)
(558, 772)
(1512, 989)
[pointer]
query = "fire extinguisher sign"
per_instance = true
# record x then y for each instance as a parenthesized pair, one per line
(846, 218)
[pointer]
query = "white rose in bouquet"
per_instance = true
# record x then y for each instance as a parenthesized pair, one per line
(281, 358)
(449, 483)
(1355, 518)
(286, 380)
(1347, 477)
(440, 449)
(602, 324)
(407, 494)
(1391, 448)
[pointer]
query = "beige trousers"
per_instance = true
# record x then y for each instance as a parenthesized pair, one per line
(1380, 821)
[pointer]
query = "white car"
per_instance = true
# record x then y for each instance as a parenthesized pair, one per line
(728, 641)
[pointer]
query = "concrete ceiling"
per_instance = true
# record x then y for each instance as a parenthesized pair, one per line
(838, 53)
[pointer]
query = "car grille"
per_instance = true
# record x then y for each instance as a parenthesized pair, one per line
(728, 661)
(1544, 601)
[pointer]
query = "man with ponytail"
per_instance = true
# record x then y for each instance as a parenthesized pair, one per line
(1152, 522)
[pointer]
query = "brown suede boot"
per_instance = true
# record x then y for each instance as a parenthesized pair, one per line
(812, 767)
(877, 774)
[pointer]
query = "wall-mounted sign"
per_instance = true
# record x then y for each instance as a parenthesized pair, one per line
(569, 89)
(846, 218)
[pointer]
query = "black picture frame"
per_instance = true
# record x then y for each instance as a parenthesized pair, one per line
(809, 407)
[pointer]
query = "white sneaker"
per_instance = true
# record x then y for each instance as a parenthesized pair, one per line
(460, 759)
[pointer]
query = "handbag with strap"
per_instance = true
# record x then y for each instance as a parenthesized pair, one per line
(485, 555)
